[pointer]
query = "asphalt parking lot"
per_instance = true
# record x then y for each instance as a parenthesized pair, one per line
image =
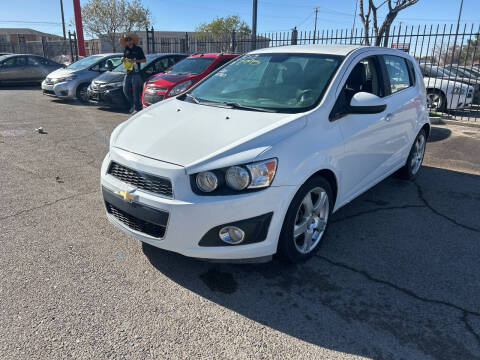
(397, 278)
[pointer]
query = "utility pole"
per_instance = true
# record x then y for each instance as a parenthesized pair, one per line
(63, 20)
(79, 26)
(315, 27)
(254, 25)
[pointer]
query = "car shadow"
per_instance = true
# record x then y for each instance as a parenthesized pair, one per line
(438, 134)
(393, 277)
(26, 86)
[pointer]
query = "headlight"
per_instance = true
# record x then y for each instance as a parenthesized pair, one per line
(458, 90)
(64, 79)
(114, 85)
(237, 178)
(177, 89)
(207, 181)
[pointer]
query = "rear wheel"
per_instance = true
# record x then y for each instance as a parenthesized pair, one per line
(82, 93)
(414, 162)
(306, 221)
(436, 100)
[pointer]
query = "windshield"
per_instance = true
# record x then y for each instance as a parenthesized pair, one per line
(191, 66)
(279, 82)
(84, 63)
(149, 59)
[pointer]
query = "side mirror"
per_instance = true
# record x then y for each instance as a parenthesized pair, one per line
(110, 66)
(366, 103)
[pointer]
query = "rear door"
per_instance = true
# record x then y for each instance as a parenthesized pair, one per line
(35, 68)
(403, 106)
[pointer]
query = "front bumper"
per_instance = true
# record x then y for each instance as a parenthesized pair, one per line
(65, 90)
(458, 102)
(191, 216)
(113, 97)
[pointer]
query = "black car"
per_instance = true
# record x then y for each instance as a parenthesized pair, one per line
(107, 89)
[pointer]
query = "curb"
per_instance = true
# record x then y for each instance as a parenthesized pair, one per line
(441, 121)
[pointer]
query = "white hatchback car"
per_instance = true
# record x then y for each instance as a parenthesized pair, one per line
(254, 159)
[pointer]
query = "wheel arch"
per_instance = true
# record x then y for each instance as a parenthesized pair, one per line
(427, 128)
(330, 176)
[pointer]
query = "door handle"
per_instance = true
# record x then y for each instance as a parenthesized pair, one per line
(389, 117)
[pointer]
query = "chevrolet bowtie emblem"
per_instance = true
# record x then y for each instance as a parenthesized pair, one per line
(127, 196)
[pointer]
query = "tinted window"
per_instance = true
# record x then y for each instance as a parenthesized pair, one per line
(398, 73)
(10, 62)
(221, 63)
(191, 66)
(364, 78)
(21, 61)
(84, 63)
(33, 61)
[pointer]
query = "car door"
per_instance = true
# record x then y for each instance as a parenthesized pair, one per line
(35, 68)
(366, 136)
(403, 106)
(13, 69)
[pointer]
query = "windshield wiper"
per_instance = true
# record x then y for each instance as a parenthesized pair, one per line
(193, 98)
(246, 107)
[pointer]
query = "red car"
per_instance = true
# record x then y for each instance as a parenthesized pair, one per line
(182, 76)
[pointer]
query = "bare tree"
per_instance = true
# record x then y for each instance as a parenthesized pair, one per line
(369, 17)
(109, 18)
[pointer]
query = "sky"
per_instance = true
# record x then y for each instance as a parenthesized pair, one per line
(273, 15)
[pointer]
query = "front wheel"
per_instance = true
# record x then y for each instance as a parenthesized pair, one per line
(82, 93)
(436, 101)
(414, 162)
(306, 221)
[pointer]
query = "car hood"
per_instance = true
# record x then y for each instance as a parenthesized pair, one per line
(59, 73)
(169, 80)
(193, 135)
(110, 77)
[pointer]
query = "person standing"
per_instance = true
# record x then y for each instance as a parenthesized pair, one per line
(133, 56)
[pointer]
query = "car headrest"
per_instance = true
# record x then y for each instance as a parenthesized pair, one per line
(357, 78)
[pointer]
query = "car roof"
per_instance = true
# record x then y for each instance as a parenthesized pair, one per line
(213, 55)
(313, 49)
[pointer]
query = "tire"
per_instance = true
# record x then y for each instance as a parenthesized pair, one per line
(81, 93)
(436, 100)
(415, 158)
(295, 249)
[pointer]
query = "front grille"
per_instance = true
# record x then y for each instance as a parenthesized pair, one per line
(136, 224)
(153, 98)
(151, 183)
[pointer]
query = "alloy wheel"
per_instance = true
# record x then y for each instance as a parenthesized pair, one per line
(434, 101)
(417, 155)
(311, 220)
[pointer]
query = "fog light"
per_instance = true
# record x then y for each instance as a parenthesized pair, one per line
(231, 235)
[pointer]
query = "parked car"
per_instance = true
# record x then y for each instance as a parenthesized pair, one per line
(182, 76)
(254, 159)
(72, 82)
(464, 71)
(443, 92)
(25, 68)
(107, 89)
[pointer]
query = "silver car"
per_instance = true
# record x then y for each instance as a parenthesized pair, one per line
(72, 82)
(23, 68)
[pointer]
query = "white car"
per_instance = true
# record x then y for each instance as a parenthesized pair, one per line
(254, 159)
(443, 92)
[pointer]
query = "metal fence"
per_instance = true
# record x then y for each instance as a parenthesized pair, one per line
(449, 57)
(58, 50)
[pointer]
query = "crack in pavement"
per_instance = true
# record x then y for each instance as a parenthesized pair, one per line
(376, 210)
(45, 205)
(469, 327)
(424, 200)
(398, 288)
